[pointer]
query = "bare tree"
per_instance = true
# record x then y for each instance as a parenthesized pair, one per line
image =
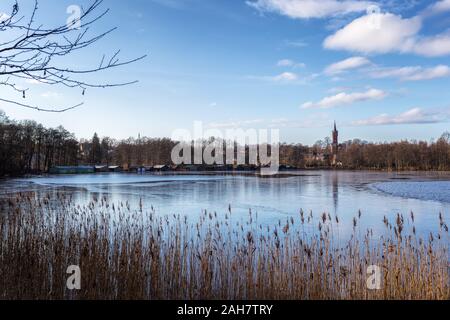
(34, 52)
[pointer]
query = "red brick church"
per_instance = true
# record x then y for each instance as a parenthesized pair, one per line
(335, 146)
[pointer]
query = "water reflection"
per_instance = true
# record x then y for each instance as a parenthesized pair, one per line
(273, 199)
(335, 184)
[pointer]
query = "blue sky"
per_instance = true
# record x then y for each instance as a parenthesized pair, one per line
(380, 69)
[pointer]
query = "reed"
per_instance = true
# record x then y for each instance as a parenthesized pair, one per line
(129, 253)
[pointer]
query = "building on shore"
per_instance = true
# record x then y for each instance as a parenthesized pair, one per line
(115, 169)
(72, 170)
(84, 169)
(160, 168)
(325, 153)
(101, 168)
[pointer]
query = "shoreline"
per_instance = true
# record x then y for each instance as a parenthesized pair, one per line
(281, 173)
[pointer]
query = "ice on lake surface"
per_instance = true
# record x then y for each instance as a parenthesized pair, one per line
(341, 193)
(425, 190)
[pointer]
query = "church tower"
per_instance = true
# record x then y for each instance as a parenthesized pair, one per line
(335, 147)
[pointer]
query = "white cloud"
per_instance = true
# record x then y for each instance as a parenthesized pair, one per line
(344, 98)
(305, 9)
(412, 73)
(434, 46)
(385, 33)
(285, 63)
(311, 121)
(347, 64)
(413, 116)
(290, 63)
(438, 8)
(401, 73)
(285, 76)
(375, 33)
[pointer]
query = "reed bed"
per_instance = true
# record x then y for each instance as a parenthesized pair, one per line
(132, 253)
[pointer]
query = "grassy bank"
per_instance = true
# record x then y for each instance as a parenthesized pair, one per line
(127, 253)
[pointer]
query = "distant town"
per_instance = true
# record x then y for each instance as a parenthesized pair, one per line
(329, 155)
(29, 148)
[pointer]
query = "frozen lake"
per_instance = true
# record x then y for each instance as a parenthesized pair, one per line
(425, 190)
(336, 192)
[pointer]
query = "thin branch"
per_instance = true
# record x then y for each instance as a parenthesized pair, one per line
(31, 55)
(60, 110)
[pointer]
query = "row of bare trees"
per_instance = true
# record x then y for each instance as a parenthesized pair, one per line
(403, 155)
(357, 154)
(127, 153)
(29, 147)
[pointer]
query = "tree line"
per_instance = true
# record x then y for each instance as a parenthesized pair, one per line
(28, 147)
(358, 155)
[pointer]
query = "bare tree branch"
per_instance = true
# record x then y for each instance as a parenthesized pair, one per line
(59, 110)
(32, 52)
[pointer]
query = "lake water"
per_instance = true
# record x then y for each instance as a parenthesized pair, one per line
(273, 199)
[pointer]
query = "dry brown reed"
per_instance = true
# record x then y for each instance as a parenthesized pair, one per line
(127, 253)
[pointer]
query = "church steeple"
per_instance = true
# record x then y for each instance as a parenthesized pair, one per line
(335, 135)
(335, 146)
